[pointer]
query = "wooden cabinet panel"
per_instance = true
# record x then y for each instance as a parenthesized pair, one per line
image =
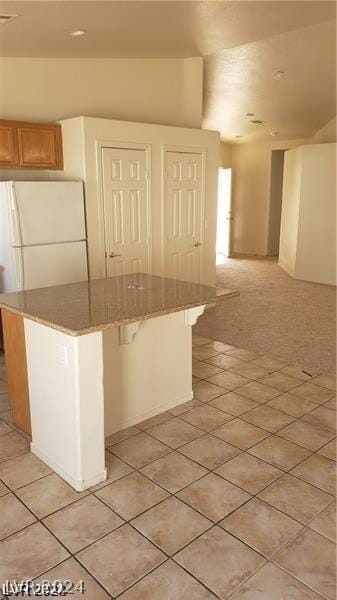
(8, 147)
(16, 363)
(30, 145)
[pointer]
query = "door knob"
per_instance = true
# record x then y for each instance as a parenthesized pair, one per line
(196, 244)
(113, 255)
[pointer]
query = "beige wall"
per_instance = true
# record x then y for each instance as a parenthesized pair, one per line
(251, 165)
(225, 155)
(308, 227)
(327, 134)
(164, 91)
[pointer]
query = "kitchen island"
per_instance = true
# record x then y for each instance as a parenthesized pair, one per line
(100, 355)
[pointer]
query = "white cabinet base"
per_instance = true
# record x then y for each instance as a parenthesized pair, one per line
(85, 388)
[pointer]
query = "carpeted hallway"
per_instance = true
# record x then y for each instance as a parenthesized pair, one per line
(290, 319)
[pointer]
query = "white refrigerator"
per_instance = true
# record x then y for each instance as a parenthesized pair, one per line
(42, 234)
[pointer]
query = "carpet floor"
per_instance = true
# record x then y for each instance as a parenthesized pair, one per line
(275, 314)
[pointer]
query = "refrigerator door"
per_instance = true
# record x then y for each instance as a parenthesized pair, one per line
(52, 264)
(46, 212)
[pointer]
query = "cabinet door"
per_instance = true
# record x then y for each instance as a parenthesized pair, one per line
(40, 146)
(8, 147)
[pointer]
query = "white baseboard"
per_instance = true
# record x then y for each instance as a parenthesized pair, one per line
(78, 484)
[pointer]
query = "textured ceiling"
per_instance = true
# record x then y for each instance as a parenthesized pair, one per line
(243, 44)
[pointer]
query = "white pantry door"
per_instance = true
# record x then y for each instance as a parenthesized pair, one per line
(126, 211)
(183, 214)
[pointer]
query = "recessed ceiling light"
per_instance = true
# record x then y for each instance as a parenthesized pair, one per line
(274, 133)
(238, 136)
(257, 122)
(279, 75)
(249, 114)
(78, 32)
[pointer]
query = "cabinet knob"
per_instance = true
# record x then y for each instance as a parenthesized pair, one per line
(196, 244)
(113, 255)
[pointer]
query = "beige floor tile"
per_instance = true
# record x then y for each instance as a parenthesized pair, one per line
(131, 495)
(279, 452)
(4, 403)
(139, 450)
(292, 405)
(305, 434)
(209, 451)
(3, 387)
(153, 421)
(219, 561)
(29, 553)
(116, 468)
(82, 523)
(13, 515)
(3, 489)
(174, 471)
(325, 522)
(296, 498)
(251, 371)
(168, 582)
(71, 570)
(203, 353)
(175, 433)
(323, 417)
(281, 382)
(213, 497)
(204, 370)
(119, 436)
(271, 583)
(318, 471)
(244, 354)
(267, 418)
(12, 444)
(312, 559)
(3, 372)
(313, 393)
(4, 427)
(23, 470)
(199, 340)
(258, 392)
(240, 434)
(298, 373)
(224, 362)
(330, 450)
(47, 495)
(327, 381)
(332, 404)
(195, 379)
(233, 404)
(7, 416)
(205, 391)
(184, 407)
(120, 559)
(229, 381)
(249, 472)
(206, 417)
(268, 362)
(171, 525)
(261, 526)
(220, 346)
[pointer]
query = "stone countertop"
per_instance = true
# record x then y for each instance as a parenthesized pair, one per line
(88, 306)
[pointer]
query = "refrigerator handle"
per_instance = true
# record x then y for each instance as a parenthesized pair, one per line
(15, 217)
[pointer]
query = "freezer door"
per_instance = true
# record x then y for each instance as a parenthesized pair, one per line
(52, 264)
(47, 212)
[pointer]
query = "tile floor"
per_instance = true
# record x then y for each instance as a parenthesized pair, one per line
(231, 495)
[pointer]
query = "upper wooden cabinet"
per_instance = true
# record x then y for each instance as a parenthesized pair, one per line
(30, 145)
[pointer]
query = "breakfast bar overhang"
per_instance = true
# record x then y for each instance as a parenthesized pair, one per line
(103, 355)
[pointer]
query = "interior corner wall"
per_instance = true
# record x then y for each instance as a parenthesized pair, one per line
(162, 91)
(327, 134)
(251, 163)
(225, 155)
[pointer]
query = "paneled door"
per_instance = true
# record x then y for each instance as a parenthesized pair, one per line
(183, 215)
(126, 211)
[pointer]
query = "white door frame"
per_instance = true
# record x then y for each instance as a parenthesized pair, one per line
(115, 145)
(183, 150)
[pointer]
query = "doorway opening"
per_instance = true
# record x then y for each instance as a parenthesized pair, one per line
(275, 201)
(224, 215)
